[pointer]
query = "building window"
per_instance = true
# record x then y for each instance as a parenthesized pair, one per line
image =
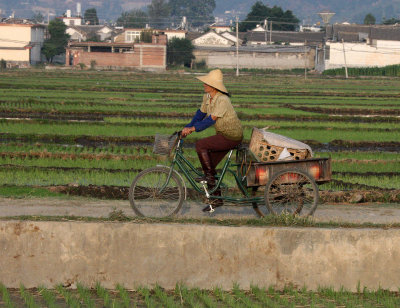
(132, 36)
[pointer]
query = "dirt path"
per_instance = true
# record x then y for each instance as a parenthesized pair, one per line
(373, 213)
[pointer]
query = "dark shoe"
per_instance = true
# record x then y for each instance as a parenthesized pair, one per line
(217, 202)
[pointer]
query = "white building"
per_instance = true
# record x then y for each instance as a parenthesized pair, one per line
(362, 46)
(21, 43)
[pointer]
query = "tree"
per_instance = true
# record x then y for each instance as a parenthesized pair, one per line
(179, 52)
(133, 19)
(281, 21)
(38, 17)
(391, 21)
(55, 45)
(198, 13)
(369, 19)
(159, 12)
(146, 36)
(90, 17)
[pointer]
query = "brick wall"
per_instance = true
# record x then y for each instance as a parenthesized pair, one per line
(109, 59)
(144, 56)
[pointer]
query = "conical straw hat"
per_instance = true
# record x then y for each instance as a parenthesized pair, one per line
(214, 79)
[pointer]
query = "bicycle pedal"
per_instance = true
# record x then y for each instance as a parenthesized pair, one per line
(209, 209)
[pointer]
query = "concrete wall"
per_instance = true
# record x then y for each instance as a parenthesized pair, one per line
(363, 55)
(50, 253)
(270, 60)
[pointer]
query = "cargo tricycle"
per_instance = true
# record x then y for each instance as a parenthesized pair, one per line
(269, 187)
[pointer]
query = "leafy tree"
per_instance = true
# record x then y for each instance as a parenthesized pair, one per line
(133, 19)
(198, 13)
(159, 11)
(179, 52)
(281, 21)
(55, 45)
(146, 36)
(38, 17)
(369, 19)
(391, 21)
(90, 17)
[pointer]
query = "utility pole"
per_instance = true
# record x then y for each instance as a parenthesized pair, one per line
(237, 45)
(305, 59)
(345, 62)
(265, 29)
(270, 33)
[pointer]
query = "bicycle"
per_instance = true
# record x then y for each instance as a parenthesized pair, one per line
(288, 185)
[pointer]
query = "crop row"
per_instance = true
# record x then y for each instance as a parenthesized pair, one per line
(33, 96)
(123, 178)
(104, 160)
(323, 135)
(130, 148)
(77, 80)
(125, 123)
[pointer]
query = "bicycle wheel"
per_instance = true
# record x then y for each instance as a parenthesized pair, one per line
(148, 196)
(293, 192)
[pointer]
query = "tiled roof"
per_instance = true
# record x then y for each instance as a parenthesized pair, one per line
(350, 32)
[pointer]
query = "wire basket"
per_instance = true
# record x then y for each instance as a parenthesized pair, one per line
(164, 144)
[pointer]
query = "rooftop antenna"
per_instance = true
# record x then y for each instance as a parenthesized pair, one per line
(326, 16)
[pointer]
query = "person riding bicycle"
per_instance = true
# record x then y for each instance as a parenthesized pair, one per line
(216, 109)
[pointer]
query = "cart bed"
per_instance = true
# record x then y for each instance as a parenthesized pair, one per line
(258, 173)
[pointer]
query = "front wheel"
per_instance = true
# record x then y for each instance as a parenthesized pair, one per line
(292, 192)
(153, 195)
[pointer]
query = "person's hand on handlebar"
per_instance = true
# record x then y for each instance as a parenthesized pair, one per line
(187, 131)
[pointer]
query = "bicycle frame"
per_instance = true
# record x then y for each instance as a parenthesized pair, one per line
(180, 161)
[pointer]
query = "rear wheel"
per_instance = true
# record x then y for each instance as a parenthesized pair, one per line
(292, 192)
(150, 196)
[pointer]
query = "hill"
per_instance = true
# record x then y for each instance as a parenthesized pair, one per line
(306, 10)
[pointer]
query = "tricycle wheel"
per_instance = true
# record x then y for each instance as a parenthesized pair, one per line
(293, 192)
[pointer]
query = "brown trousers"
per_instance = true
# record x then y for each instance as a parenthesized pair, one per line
(217, 146)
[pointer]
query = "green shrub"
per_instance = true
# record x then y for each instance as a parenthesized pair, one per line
(3, 64)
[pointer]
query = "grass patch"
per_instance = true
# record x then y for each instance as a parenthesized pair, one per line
(9, 191)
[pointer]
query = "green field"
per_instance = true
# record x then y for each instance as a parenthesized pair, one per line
(97, 128)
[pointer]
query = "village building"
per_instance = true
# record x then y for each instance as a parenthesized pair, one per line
(256, 49)
(129, 35)
(90, 32)
(70, 20)
(144, 56)
(362, 45)
(21, 43)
